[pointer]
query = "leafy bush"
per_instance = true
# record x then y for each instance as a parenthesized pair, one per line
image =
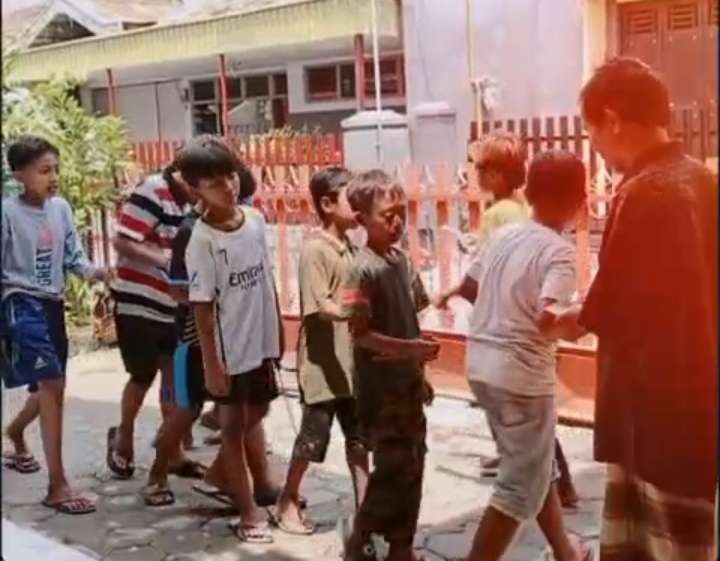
(92, 151)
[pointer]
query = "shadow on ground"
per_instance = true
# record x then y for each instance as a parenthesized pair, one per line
(198, 529)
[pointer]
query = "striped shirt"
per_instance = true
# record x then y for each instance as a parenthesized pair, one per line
(152, 216)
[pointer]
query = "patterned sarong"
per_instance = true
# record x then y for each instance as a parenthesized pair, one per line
(644, 523)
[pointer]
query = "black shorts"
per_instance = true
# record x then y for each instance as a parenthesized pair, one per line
(256, 387)
(143, 343)
(189, 377)
(312, 441)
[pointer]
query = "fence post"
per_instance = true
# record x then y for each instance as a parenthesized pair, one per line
(414, 196)
(473, 196)
(283, 253)
(446, 239)
(582, 243)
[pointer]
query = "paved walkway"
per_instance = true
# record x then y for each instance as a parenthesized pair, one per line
(194, 529)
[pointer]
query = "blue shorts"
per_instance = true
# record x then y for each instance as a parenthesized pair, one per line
(189, 377)
(33, 340)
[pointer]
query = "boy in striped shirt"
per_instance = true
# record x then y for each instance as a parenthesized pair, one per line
(145, 311)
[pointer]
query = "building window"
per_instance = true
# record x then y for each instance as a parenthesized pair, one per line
(347, 81)
(322, 83)
(207, 105)
(337, 81)
(257, 86)
(203, 91)
(392, 79)
(100, 101)
(280, 84)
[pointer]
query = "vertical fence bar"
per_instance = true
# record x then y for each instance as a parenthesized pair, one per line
(283, 253)
(564, 133)
(550, 132)
(446, 240)
(414, 195)
(536, 138)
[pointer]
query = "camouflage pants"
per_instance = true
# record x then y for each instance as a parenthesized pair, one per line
(392, 502)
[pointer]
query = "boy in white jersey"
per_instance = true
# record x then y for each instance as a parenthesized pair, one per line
(232, 292)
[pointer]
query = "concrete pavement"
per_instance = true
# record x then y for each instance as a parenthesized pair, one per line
(195, 529)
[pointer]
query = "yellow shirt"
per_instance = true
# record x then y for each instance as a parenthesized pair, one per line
(504, 211)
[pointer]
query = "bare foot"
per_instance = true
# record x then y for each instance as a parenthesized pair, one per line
(18, 442)
(568, 495)
(290, 517)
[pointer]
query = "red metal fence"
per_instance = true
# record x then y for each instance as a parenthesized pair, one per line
(321, 149)
(444, 201)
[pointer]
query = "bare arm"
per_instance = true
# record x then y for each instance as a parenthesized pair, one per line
(414, 349)
(467, 289)
(331, 311)
(215, 375)
(558, 323)
(140, 251)
(179, 294)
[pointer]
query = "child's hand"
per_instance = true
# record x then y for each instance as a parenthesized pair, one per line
(440, 301)
(428, 392)
(217, 380)
(424, 349)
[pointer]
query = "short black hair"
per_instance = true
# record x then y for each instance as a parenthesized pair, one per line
(629, 87)
(26, 149)
(327, 183)
(205, 157)
(556, 177)
(248, 185)
(367, 186)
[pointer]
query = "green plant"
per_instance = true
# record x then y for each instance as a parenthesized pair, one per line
(92, 150)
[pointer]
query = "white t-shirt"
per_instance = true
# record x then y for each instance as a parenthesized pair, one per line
(520, 265)
(233, 270)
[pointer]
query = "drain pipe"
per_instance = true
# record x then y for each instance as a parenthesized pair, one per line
(376, 79)
(474, 84)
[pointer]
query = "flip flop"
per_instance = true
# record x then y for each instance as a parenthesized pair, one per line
(254, 533)
(209, 422)
(22, 463)
(74, 506)
(212, 492)
(189, 470)
(213, 440)
(114, 459)
(302, 528)
(158, 495)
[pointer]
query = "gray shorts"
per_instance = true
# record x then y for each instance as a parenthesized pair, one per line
(524, 429)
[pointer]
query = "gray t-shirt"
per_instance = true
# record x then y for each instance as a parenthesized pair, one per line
(519, 267)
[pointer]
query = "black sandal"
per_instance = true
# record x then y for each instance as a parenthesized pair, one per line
(156, 495)
(22, 463)
(74, 506)
(114, 459)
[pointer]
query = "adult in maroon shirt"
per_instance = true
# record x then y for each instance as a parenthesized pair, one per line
(653, 307)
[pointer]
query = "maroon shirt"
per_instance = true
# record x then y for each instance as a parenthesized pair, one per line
(653, 306)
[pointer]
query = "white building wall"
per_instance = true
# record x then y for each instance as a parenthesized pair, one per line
(149, 118)
(533, 48)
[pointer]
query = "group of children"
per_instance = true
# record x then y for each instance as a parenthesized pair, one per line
(361, 355)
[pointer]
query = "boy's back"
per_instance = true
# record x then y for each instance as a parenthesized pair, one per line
(521, 265)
